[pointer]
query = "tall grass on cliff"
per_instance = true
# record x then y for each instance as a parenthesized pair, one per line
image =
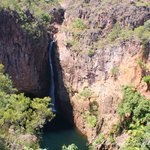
(20, 117)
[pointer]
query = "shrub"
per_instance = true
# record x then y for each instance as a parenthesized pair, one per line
(87, 93)
(142, 65)
(92, 120)
(146, 79)
(91, 52)
(91, 115)
(135, 118)
(70, 147)
(94, 107)
(19, 113)
(70, 43)
(114, 34)
(6, 84)
(142, 3)
(143, 32)
(79, 24)
(98, 141)
(46, 17)
(134, 106)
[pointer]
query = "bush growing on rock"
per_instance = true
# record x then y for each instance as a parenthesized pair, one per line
(79, 24)
(87, 93)
(146, 79)
(135, 119)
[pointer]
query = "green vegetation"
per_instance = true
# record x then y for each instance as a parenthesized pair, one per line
(19, 115)
(139, 33)
(91, 52)
(142, 3)
(76, 27)
(115, 33)
(91, 120)
(146, 79)
(79, 24)
(70, 43)
(31, 14)
(87, 93)
(6, 85)
(37, 8)
(143, 32)
(119, 34)
(70, 147)
(91, 116)
(142, 65)
(98, 141)
(135, 119)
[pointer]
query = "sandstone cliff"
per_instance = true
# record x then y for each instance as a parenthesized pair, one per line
(94, 69)
(24, 56)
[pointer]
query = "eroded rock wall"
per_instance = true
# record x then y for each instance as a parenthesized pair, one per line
(24, 56)
(107, 70)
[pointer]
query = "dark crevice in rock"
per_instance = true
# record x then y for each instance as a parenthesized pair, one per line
(62, 96)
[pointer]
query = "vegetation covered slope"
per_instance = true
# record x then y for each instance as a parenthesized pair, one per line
(20, 117)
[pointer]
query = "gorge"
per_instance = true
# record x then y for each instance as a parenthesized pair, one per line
(82, 56)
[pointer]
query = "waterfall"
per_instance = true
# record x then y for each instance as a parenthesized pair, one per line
(52, 85)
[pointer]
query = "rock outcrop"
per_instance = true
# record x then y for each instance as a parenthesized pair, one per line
(103, 72)
(24, 56)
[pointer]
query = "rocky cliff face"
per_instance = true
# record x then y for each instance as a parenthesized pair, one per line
(91, 66)
(24, 56)
(94, 79)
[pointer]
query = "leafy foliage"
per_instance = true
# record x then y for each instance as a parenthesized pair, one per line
(135, 117)
(99, 140)
(31, 14)
(38, 8)
(146, 79)
(18, 113)
(5, 82)
(79, 24)
(121, 34)
(91, 116)
(91, 52)
(142, 65)
(134, 106)
(87, 93)
(70, 147)
(115, 33)
(92, 120)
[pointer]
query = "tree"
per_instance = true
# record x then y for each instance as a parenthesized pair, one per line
(70, 147)
(20, 114)
(5, 82)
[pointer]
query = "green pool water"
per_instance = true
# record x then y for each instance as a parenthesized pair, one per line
(59, 132)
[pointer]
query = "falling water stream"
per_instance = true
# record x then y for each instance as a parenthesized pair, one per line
(52, 85)
(59, 132)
